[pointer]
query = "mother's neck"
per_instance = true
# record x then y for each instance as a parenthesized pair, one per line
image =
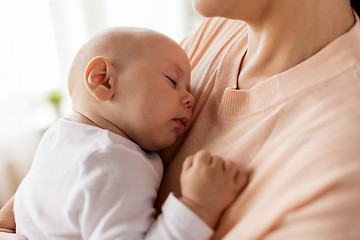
(288, 35)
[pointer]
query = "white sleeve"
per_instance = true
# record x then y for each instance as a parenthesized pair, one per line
(178, 222)
(115, 200)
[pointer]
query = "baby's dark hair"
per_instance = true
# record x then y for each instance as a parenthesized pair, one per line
(356, 6)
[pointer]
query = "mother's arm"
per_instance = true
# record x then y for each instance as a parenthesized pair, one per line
(7, 222)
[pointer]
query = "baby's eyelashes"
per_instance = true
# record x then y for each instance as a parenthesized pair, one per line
(172, 81)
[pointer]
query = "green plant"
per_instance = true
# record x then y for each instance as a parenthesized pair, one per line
(54, 97)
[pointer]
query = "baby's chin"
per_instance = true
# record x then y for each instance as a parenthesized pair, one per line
(164, 143)
(159, 145)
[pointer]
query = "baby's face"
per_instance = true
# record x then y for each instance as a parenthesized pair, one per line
(154, 94)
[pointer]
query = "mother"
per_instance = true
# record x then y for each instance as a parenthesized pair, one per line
(278, 91)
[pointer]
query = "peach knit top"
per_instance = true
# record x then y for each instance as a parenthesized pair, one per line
(297, 134)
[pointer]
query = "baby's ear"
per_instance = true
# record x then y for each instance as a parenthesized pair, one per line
(98, 75)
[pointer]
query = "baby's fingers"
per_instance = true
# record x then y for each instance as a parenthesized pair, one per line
(217, 162)
(238, 174)
(240, 179)
(188, 163)
(202, 158)
(231, 167)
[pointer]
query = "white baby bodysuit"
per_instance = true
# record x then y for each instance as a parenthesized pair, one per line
(89, 183)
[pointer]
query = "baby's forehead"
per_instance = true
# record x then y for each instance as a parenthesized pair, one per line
(130, 34)
(125, 45)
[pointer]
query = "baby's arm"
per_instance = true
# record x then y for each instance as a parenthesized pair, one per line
(207, 190)
(209, 185)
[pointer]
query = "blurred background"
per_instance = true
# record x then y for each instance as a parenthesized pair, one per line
(37, 43)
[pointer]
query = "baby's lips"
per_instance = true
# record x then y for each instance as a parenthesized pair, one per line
(182, 122)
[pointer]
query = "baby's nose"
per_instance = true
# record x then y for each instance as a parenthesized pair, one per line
(189, 100)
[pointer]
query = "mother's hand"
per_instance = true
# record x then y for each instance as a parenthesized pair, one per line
(10, 236)
(7, 222)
